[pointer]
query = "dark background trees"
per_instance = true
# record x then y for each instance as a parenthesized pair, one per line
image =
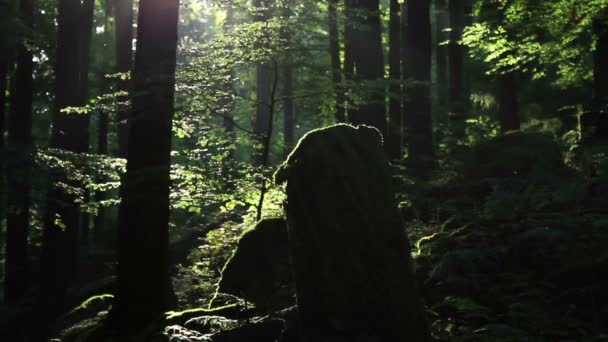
(493, 115)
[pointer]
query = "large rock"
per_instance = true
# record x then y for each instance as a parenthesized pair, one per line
(349, 250)
(259, 270)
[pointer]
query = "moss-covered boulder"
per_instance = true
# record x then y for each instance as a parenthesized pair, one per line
(259, 270)
(348, 246)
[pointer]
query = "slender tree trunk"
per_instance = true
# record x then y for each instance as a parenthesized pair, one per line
(102, 141)
(404, 72)
(508, 108)
(69, 133)
(228, 103)
(349, 67)
(419, 124)
(263, 89)
(334, 51)
(87, 10)
(288, 109)
(3, 103)
(393, 141)
(287, 89)
(124, 63)
(600, 61)
(368, 61)
(3, 83)
(456, 60)
(18, 173)
(441, 57)
(143, 289)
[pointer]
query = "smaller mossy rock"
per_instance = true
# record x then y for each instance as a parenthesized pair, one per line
(259, 269)
(347, 241)
(515, 154)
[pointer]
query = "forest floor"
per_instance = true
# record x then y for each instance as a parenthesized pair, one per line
(508, 241)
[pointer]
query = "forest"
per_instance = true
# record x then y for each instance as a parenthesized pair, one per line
(303, 171)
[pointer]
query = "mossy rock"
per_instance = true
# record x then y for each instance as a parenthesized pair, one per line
(259, 269)
(515, 154)
(350, 252)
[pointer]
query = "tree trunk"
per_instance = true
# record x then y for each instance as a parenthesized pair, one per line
(143, 289)
(456, 60)
(350, 255)
(263, 90)
(102, 141)
(3, 83)
(288, 109)
(600, 61)
(227, 104)
(87, 10)
(334, 51)
(368, 63)
(419, 123)
(123, 18)
(508, 108)
(393, 141)
(19, 171)
(69, 133)
(441, 57)
(349, 67)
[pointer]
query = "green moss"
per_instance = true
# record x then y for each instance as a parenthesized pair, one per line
(347, 241)
(259, 270)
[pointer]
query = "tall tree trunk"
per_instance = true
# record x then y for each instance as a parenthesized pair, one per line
(334, 51)
(18, 173)
(456, 61)
(3, 83)
(228, 103)
(87, 10)
(368, 61)
(600, 60)
(287, 89)
(69, 133)
(349, 67)
(393, 141)
(508, 108)
(263, 89)
(419, 124)
(123, 18)
(288, 109)
(404, 72)
(143, 289)
(102, 139)
(441, 57)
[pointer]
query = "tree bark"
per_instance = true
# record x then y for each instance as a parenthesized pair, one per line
(508, 108)
(144, 289)
(456, 61)
(334, 51)
(600, 61)
(368, 64)
(393, 141)
(19, 171)
(419, 125)
(288, 109)
(87, 10)
(123, 18)
(441, 57)
(69, 133)
(263, 90)
(102, 141)
(3, 102)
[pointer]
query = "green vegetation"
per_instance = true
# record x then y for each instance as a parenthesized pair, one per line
(272, 170)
